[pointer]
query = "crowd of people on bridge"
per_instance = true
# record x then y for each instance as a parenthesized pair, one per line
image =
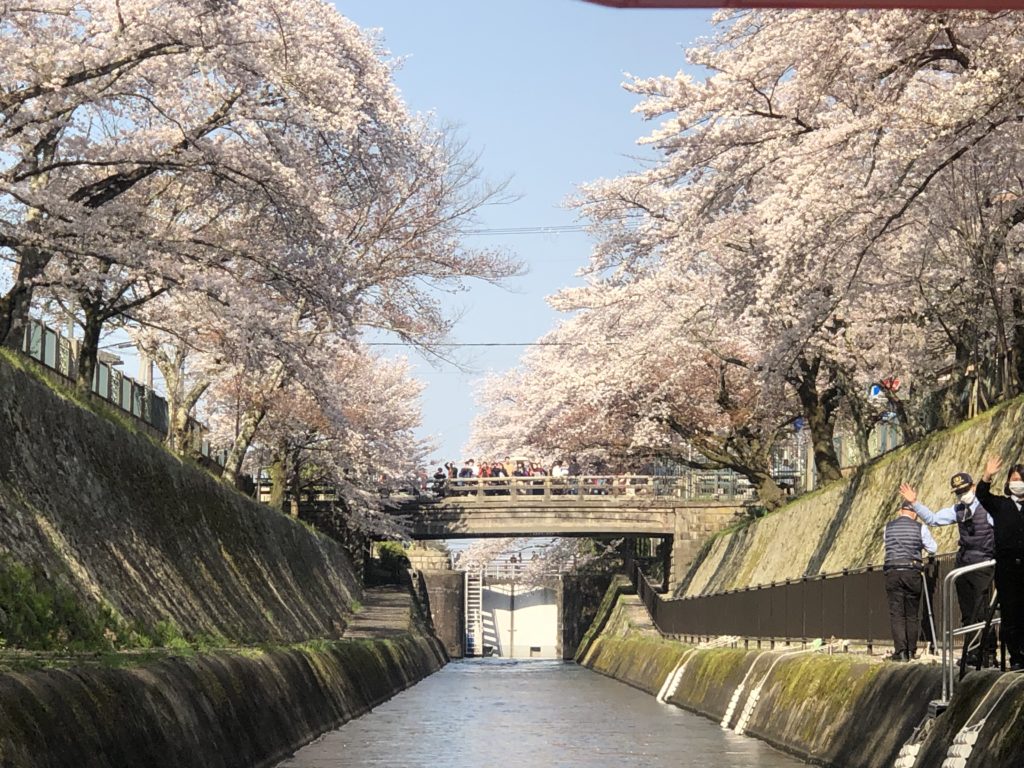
(990, 527)
(451, 479)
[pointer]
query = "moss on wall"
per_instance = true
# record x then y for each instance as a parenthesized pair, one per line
(617, 648)
(997, 698)
(620, 585)
(710, 678)
(148, 544)
(223, 710)
(840, 711)
(840, 526)
(843, 711)
(643, 663)
(108, 542)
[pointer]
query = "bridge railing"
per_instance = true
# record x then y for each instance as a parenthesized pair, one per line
(849, 605)
(695, 486)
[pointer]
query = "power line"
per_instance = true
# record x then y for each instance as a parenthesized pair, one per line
(482, 344)
(556, 230)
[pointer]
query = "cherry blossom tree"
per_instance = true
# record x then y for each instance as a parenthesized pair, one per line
(836, 204)
(241, 187)
(261, 140)
(815, 173)
(646, 373)
(350, 431)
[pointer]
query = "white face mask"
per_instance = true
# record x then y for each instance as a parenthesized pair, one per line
(1017, 487)
(967, 498)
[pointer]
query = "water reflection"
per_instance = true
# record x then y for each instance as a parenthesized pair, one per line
(531, 714)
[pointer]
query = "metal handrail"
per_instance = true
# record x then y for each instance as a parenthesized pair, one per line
(704, 486)
(822, 576)
(59, 353)
(948, 665)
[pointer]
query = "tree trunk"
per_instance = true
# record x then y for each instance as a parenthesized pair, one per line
(1017, 347)
(294, 466)
(750, 458)
(769, 493)
(32, 262)
(170, 361)
(250, 424)
(278, 472)
(911, 434)
(820, 413)
(15, 304)
(88, 353)
(248, 427)
(1007, 377)
(180, 433)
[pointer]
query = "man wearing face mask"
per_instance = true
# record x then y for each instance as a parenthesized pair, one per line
(977, 544)
(1008, 517)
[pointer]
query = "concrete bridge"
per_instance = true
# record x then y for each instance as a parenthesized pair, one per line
(685, 510)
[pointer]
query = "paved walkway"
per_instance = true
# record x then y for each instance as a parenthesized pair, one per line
(387, 612)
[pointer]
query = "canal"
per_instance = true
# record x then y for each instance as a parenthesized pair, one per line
(531, 714)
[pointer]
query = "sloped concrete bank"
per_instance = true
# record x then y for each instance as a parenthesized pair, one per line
(223, 710)
(110, 546)
(840, 526)
(147, 540)
(839, 711)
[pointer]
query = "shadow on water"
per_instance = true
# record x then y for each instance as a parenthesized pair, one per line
(531, 714)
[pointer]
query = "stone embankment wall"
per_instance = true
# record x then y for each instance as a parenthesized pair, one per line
(446, 596)
(840, 525)
(223, 710)
(149, 539)
(578, 601)
(839, 711)
(108, 542)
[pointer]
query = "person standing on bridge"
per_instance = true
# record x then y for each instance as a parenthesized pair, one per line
(904, 539)
(1008, 514)
(439, 481)
(977, 544)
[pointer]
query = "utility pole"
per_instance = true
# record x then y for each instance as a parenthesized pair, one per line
(512, 619)
(514, 563)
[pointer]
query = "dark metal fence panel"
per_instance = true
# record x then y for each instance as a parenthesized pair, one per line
(879, 627)
(856, 606)
(796, 606)
(814, 604)
(158, 413)
(833, 607)
(746, 613)
(777, 597)
(850, 605)
(764, 610)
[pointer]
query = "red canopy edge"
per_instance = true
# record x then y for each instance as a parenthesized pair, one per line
(986, 5)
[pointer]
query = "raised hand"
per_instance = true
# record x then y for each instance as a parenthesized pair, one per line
(991, 467)
(908, 493)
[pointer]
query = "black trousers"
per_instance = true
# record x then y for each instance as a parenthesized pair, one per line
(1010, 584)
(904, 587)
(973, 593)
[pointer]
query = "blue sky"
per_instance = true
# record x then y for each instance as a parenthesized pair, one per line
(534, 87)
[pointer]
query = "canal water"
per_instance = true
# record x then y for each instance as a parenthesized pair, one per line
(496, 713)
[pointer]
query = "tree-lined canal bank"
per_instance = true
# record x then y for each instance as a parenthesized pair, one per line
(531, 714)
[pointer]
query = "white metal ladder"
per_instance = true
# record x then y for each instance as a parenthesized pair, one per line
(474, 591)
